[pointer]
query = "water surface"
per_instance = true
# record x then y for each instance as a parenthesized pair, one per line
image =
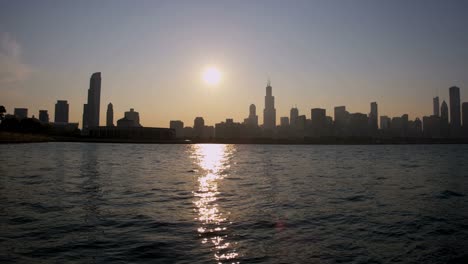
(130, 203)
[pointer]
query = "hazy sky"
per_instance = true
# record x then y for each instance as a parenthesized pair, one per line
(151, 55)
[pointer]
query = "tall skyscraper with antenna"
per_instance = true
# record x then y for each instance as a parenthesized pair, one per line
(269, 113)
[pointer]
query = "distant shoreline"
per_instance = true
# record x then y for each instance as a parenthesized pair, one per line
(14, 138)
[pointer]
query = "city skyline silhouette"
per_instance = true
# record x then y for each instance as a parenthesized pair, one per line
(270, 118)
(319, 54)
(446, 121)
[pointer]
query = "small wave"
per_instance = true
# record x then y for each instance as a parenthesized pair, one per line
(447, 194)
(356, 198)
(46, 169)
(21, 220)
(411, 166)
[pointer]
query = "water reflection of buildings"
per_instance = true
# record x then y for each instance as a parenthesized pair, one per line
(213, 160)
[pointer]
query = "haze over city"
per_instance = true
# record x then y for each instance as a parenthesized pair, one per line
(153, 56)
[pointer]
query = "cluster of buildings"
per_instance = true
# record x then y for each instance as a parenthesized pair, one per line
(447, 121)
(60, 124)
(444, 123)
(128, 127)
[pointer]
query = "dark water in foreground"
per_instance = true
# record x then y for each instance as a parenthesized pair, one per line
(124, 203)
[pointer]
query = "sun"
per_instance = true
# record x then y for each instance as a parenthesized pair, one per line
(211, 76)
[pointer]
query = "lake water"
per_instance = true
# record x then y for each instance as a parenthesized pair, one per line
(130, 203)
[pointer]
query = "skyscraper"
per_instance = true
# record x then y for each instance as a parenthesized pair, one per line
(293, 115)
(252, 120)
(43, 116)
(436, 107)
(269, 113)
(318, 121)
(198, 127)
(444, 114)
(61, 111)
(318, 116)
(444, 120)
(91, 109)
(110, 115)
(340, 115)
(455, 120)
(341, 120)
(373, 117)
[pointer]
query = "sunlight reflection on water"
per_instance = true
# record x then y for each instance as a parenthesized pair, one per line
(213, 161)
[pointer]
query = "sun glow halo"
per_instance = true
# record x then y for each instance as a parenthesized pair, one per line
(211, 76)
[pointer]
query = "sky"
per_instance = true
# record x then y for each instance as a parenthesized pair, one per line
(317, 54)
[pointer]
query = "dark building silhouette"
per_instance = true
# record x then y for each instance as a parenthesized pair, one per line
(385, 122)
(399, 126)
(436, 106)
(293, 114)
(209, 132)
(431, 126)
(110, 115)
(373, 118)
(301, 124)
(318, 121)
(465, 118)
(341, 115)
(358, 125)
(91, 110)
(444, 120)
(61, 111)
(43, 116)
(252, 120)
(250, 128)
(198, 127)
(21, 113)
(178, 126)
(415, 128)
(341, 120)
(133, 116)
(65, 128)
(188, 132)
(269, 113)
(85, 117)
(455, 119)
(228, 129)
(125, 122)
(328, 130)
(284, 121)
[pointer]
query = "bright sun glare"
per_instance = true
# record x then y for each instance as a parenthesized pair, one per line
(211, 76)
